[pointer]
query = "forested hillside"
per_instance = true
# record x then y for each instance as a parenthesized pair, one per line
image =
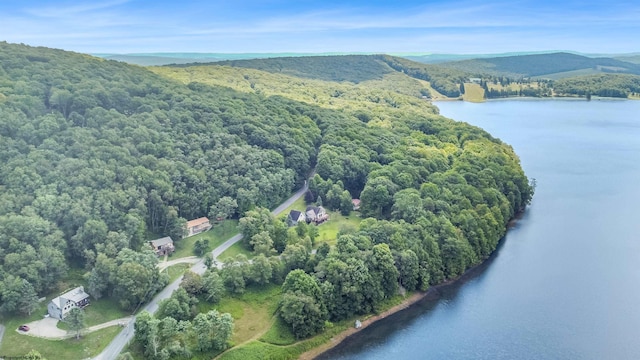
(540, 65)
(95, 154)
(437, 195)
(356, 69)
(352, 68)
(609, 85)
(99, 156)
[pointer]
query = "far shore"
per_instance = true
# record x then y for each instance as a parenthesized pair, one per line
(534, 98)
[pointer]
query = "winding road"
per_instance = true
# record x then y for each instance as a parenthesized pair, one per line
(122, 339)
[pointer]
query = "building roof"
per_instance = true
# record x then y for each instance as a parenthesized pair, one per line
(316, 209)
(197, 222)
(355, 202)
(295, 214)
(74, 295)
(161, 242)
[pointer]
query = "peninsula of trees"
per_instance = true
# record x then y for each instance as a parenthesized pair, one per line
(96, 156)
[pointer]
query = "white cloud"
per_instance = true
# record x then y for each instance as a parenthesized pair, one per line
(116, 26)
(72, 10)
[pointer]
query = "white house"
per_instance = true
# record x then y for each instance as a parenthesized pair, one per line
(316, 214)
(59, 307)
(295, 217)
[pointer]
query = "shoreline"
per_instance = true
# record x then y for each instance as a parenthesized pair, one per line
(534, 98)
(336, 340)
(433, 293)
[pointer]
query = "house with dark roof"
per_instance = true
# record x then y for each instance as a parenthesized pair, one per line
(316, 214)
(295, 217)
(163, 246)
(59, 307)
(197, 226)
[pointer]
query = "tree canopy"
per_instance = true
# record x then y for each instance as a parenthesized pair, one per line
(96, 154)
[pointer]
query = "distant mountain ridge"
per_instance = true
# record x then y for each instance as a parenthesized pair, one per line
(167, 58)
(544, 65)
(353, 68)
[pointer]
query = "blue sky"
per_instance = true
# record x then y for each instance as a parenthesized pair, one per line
(237, 26)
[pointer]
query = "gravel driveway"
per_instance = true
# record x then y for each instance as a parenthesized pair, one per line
(46, 328)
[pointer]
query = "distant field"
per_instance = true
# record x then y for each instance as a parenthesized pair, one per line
(473, 92)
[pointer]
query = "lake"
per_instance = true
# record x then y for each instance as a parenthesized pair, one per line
(565, 281)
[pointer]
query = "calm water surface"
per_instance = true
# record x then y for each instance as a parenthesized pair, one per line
(565, 283)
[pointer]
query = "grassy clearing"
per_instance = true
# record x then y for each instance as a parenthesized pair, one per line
(253, 311)
(262, 350)
(473, 92)
(235, 249)
(103, 310)
(14, 344)
(259, 351)
(279, 334)
(328, 231)
(216, 236)
(175, 271)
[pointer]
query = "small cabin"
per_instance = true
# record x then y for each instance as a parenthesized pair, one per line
(197, 226)
(163, 246)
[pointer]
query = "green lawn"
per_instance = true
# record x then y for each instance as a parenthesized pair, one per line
(253, 311)
(175, 271)
(279, 334)
(216, 236)
(234, 250)
(98, 312)
(328, 231)
(473, 92)
(14, 344)
(258, 349)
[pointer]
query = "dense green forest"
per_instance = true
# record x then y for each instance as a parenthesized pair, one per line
(99, 156)
(437, 195)
(96, 154)
(352, 68)
(609, 85)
